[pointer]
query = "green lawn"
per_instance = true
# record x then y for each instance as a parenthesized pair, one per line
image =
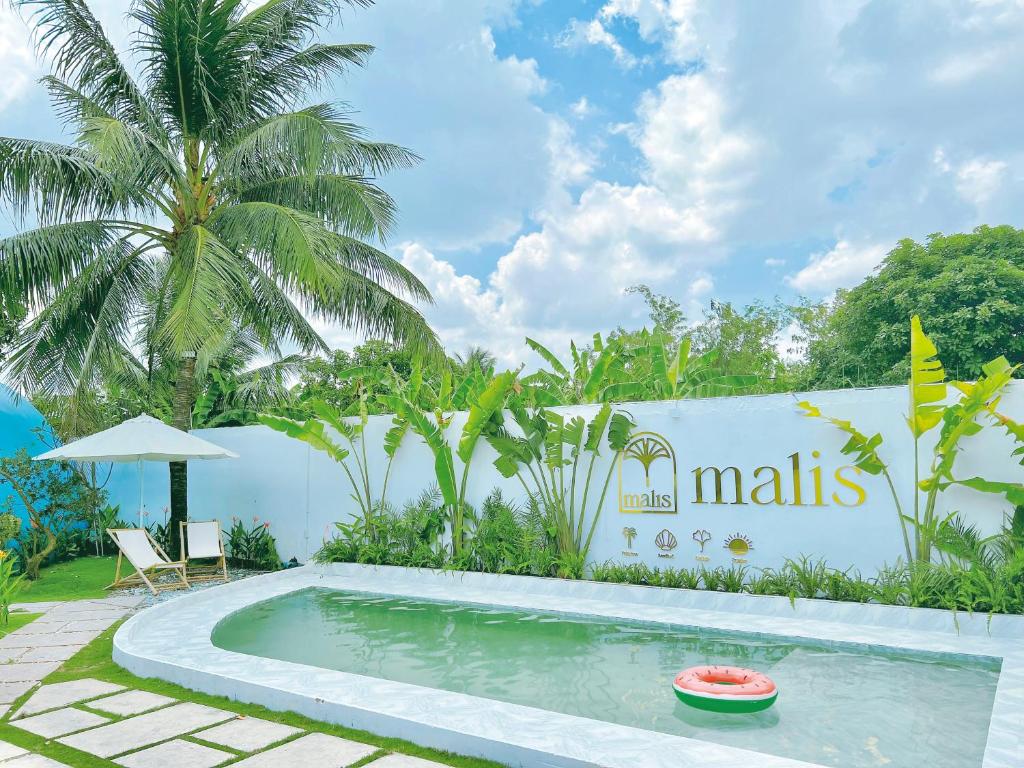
(95, 661)
(80, 579)
(17, 621)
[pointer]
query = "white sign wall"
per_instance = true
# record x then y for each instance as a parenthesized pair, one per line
(755, 482)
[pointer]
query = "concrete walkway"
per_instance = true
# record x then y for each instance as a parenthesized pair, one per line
(29, 654)
(139, 729)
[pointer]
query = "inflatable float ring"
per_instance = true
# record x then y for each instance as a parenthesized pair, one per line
(725, 689)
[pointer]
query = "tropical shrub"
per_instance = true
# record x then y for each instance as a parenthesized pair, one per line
(10, 526)
(9, 584)
(252, 547)
(502, 538)
(643, 366)
(554, 459)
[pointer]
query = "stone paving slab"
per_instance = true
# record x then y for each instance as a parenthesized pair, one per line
(247, 734)
(175, 754)
(41, 626)
(34, 671)
(87, 625)
(11, 692)
(15, 640)
(60, 722)
(143, 730)
(130, 703)
(8, 750)
(11, 655)
(78, 616)
(50, 653)
(33, 761)
(35, 607)
(62, 694)
(404, 761)
(316, 750)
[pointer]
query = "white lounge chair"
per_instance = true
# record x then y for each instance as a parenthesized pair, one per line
(137, 547)
(201, 540)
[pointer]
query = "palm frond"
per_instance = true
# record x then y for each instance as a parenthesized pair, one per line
(70, 36)
(86, 328)
(60, 183)
(191, 68)
(347, 204)
(365, 306)
(316, 139)
(204, 273)
(40, 263)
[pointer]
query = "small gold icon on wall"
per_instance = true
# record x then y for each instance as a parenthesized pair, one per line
(629, 533)
(739, 546)
(702, 536)
(666, 542)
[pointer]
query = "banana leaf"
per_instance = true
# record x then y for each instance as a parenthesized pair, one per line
(312, 432)
(862, 449)
(548, 357)
(927, 381)
(488, 405)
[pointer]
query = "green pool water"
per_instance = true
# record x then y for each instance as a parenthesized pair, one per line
(835, 707)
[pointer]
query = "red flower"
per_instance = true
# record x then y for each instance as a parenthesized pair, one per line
(266, 525)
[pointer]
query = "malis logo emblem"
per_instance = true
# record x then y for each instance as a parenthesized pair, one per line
(647, 475)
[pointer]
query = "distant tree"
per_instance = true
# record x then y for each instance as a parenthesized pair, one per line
(53, 499)
(475, 356)
(969, 288)
(748, 340)
(665, 312)
(330, 378)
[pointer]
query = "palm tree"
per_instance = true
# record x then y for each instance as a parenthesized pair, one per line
(204, 184)
(476, 358)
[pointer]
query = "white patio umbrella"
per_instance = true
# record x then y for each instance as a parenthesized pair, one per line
(137, 440)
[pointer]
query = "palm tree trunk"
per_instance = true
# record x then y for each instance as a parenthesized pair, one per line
(184, 392)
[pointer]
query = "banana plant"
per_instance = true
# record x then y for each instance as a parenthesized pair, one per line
(669, 372)
(863, 451)
(928, 392)
(353, 460)
(547, 459)
(593, 371)
(485, 400)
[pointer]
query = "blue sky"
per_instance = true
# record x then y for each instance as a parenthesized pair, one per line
(736, 150)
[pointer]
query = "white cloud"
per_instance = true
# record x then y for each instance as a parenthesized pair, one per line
(581, 108)
(671, 22)
(774, 262)
(593, 32)
(845, 265)
(690, 150)
(17, 60)
(568, 279)
(569, 163)
(438, 85)
(978, 180)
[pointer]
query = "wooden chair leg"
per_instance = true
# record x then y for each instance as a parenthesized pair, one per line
(117, 572)
(148, 583)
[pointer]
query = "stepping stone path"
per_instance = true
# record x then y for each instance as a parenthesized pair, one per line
(139, 729)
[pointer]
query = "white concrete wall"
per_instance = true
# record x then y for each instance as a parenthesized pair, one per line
(302, 492)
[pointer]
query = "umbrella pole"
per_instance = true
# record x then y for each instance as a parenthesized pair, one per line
(141, 484)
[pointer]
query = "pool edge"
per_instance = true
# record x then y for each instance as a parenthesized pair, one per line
(141, 646)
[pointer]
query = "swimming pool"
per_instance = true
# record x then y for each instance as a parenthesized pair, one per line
(553, 673)
(844, 708)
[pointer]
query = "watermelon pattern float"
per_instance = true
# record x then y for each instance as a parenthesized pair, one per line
(725, 689)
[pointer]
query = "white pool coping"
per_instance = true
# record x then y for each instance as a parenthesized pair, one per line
(171, 641)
